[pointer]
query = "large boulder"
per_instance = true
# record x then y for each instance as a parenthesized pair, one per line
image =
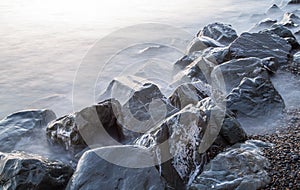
(242, 167)
(22, 124)
(220, 32)
(114, 168)
(255, 98)
(97, 125)
(232, 72)
(260, 46)
(25, 171)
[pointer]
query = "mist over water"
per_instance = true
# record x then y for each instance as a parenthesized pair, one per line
(43, 42)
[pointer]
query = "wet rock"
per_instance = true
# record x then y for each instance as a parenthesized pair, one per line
(232, 72)
(24, 171)
(274, 10)
(285, 33)
(105, 168)
(264, 24)
(216, 55)
(220, 32)
(292, 2)
(21, 124)
(260, 46)
(95, 125)
(242, 167)
(290, 20)
(296, 58)
(201, 43)
(189, 93)
(186, 60)
(232, 131)
(255, 98)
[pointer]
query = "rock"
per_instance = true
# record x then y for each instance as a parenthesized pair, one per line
(215, 55)
(189, 93)
(186, 60)
(242, 167)
(290, 20)
(285, 33)
(21, 124)
(25, 171)
(235, 70)
(220, 32)
(292, 2)
(274, 10)
(98, 168)
(260, 46)
(255, 98)
(296, 58)
(201, 43)
(95, 125)
(232, 131)
(264, 24)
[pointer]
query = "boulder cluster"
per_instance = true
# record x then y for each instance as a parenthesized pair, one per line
(194, 139)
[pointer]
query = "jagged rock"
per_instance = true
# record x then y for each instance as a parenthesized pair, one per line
(296, 58)
(255, 98)
(25, 171)
(232, 131)
(285, 33)
(187, 136)
(95, 125)
(264, 24)
(260, 46)
(274, 9)
(290, 20)
(99, 168)
(21, 124)
(235, 70)
(215, 55)
(220, 32)
(189, 93)
(242, 167)
(186, 60)
(201, 43)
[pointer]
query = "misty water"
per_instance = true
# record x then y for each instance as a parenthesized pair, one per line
(43, 43)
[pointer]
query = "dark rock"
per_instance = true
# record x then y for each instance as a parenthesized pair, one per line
(285, 33)
(264, 24)
(215, 55)
(255, 98)
(292, 2)
(189, 93)
(201, 43)
(95, 125)
(290, 20)
(186, 60)
(24, 171)
(235, 70)
(220, 32)
(232, 131)
(260, 46)
(99, 168)
(242, 167)
(21, 124)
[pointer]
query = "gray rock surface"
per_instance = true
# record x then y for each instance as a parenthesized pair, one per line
(19, 170)
(21, 124)
(242, 167)
(220, 32)
(201, 43)
(255, 98)
(96, 170)
(260, 46)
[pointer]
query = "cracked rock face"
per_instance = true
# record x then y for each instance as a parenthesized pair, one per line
(260, 46)
(19, 170)
(242, 167)
(220, 32)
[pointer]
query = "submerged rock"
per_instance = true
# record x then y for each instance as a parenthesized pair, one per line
(21, 124)
(220, 32)
(264, 24)
(260, 46)
(274, 10)
(98, 168)
(242, 167)
(255, 98)
(25, 171)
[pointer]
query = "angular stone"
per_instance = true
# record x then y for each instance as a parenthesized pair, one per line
(220, 32)
(260, 46)
(21, 124)
(201, 43)
(19, 170)
(243, 167)
(117, 168)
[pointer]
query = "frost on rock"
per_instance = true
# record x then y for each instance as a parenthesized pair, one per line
(242, 167)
